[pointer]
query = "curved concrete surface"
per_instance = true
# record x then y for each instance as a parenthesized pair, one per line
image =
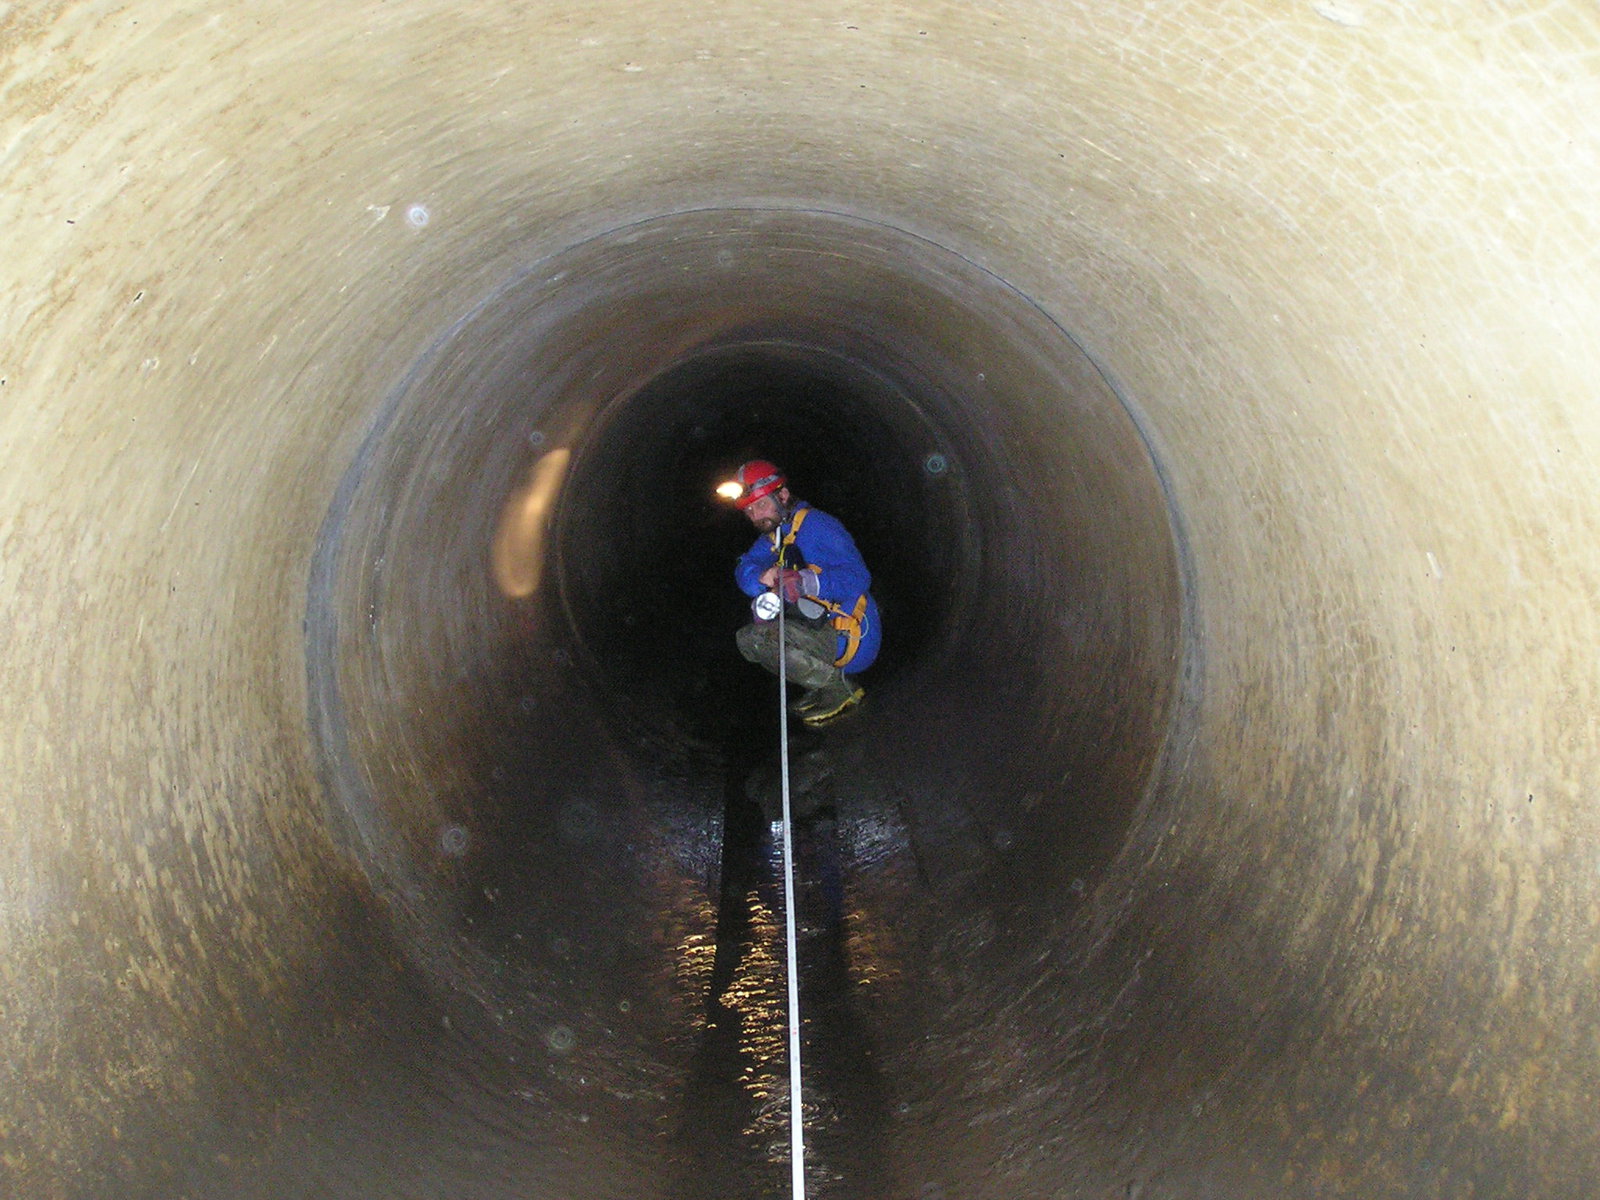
(1211, 390)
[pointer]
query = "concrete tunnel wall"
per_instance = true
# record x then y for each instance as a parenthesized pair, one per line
(1332, 263)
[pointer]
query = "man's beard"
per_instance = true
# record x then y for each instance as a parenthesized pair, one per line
(768, 524)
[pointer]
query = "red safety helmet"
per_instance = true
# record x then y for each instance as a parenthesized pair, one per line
(758, 478)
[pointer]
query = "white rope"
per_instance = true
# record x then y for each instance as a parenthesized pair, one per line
(797, 1149)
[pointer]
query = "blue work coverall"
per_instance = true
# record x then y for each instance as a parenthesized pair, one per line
(827, 548)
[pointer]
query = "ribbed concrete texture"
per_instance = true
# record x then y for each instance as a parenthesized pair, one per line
(1212, 389)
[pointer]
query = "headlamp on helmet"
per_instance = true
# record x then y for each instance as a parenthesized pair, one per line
(757, 478)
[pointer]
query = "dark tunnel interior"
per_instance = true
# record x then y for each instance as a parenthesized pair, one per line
(582, 752)
(645, 547)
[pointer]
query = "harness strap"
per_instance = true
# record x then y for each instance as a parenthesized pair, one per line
(843, 619)
(788, 540)
(848, 623)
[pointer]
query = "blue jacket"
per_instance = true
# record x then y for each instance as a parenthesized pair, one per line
(827, 548)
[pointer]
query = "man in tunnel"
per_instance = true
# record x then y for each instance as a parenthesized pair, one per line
(830, 619)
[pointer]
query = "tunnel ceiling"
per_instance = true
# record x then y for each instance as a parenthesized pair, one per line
(344, 770)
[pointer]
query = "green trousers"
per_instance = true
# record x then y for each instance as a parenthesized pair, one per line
(809, 656)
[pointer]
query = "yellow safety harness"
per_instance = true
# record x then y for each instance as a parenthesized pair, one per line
(846, 621)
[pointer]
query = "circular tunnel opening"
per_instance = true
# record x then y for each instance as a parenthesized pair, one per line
(532, 714)
(645, 548)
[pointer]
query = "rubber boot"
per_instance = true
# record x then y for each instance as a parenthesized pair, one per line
(830, 701)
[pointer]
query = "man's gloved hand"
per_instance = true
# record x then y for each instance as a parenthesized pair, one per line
(790, 585)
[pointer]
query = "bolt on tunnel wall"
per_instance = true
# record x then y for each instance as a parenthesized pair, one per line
(360, 832)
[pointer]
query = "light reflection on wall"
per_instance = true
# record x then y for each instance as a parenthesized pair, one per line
(847, 953)
(518, 551)
(696, 960)
(758, 993)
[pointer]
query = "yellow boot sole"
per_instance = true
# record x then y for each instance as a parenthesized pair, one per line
(829, 710)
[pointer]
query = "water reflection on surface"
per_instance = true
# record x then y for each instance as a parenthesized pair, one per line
(735, 1135)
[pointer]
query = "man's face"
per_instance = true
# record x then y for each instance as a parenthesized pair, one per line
(766, 514)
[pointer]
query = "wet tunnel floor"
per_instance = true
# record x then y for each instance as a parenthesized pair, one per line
(494, 1092)
(736, 1136)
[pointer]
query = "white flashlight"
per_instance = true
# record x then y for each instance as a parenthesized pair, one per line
(766, 606)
